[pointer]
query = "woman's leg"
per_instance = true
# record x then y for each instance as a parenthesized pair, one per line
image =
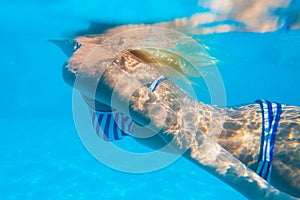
(286, 158)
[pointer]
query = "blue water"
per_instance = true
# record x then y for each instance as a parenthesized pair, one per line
(41, 154)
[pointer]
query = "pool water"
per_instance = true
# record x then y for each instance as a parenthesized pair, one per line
(42, 156)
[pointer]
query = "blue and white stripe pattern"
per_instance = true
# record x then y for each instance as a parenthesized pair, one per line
(114, 125)
(155, 83)
(270, 119)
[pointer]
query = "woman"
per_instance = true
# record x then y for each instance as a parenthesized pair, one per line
(247, 132)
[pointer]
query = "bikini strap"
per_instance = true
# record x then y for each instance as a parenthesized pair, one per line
(152, 86)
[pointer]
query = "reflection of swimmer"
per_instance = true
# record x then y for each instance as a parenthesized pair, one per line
(230, 16)
(289, 17)
(252, 15)
(240, 16)
(248, 132)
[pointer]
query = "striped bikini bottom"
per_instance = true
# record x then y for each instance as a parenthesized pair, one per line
(270, 118)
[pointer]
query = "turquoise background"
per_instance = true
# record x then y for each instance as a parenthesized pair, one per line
(41, 154)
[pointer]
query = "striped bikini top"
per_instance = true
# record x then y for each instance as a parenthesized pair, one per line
(114, 125)
(111, 125)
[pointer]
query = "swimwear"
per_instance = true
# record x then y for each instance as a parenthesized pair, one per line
(270, 119)
(114, 125)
